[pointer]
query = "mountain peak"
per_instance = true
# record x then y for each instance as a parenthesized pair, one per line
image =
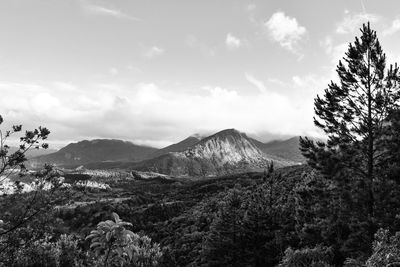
(197, 136)
(228, 133)
(228, 145)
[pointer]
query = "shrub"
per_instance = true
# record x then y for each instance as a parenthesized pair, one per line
(117, 246)
(386, 250)
(307, 257)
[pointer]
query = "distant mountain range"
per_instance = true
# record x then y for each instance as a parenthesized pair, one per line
(98, 150)
(286, 149)
(32, 153)
(228, 151)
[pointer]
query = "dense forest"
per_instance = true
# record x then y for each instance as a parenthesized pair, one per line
(342, 208)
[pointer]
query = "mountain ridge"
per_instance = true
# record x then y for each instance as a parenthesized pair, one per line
(177, 147)
(86, 151)
(224, 152)
(287, 148)
(228, 151)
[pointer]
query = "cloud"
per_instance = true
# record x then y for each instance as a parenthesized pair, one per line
(285, 30)
(395, 27)
(352, 22)
(105, 11)
(277, 82)
(232, 42)
(154, 51)
(257, 83)
(146, 113)
(251, 7)
(335, 52)
(114, 71)
(193, 42)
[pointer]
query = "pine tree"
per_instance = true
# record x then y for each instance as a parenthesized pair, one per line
(352, 113)
(224, 246)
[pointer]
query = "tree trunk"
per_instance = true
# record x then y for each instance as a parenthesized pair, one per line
(370, 153)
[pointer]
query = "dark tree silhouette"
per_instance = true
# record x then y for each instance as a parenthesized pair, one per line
(352, 113)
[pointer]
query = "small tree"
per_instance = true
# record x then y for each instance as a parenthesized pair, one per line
(19, 210)
(13, 163)
(121, 247)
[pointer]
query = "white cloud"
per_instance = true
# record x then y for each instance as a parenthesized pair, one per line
(395, 27)
(335, 51)
(257, 83)
(338, 52)
(232, 42)
(305, 89)
(154, 52)
(285, 30)
(251, 7)
(194, 42)
(114, 71)
(352, 22)
(145, 113)
(310, 81)
(277, 82)
(105, 11)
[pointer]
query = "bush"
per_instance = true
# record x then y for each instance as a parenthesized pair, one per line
(117, 246)
(308, 257)
(386, 250)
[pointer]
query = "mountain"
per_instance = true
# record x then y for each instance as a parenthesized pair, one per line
(98, 150)
(287, 149)
(34, 152)
(225, 152)
(178, 147)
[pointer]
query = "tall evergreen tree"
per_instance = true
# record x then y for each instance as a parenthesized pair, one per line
(352, 113)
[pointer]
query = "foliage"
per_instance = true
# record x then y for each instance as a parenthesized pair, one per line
(118, 246)
(41, 252)
(252, 226)
(46, 251)
(386, 250)
(30, 140)
(306, 257)
(352, 114)
(358, 190)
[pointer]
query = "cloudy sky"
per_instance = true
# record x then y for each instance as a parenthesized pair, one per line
(154, 72)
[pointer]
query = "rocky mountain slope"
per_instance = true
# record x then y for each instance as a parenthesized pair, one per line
(225, 152)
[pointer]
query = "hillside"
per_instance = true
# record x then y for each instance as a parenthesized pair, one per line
(99, 150)
(178, 147)
(34, 152)
(287, 149)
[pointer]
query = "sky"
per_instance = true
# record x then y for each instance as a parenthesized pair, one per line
(155, 72)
